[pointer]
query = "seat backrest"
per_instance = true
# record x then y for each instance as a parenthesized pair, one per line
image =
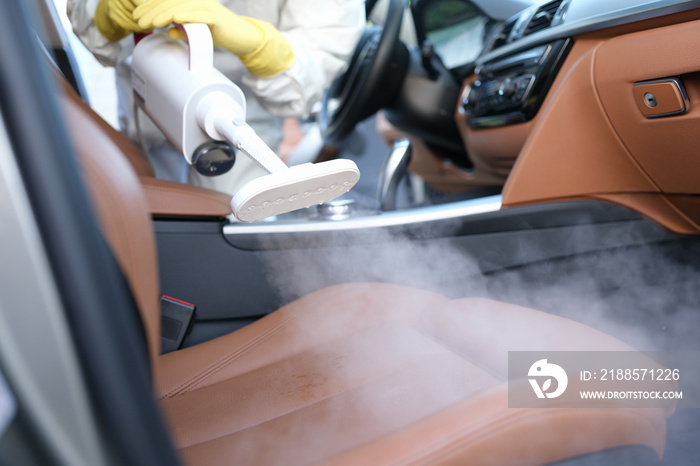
(128, 150)
(109, 164)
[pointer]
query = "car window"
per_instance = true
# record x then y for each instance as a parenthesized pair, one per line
(457, 30)
(99, 80)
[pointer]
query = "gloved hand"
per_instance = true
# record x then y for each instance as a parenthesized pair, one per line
(114, 20)
(259, 45)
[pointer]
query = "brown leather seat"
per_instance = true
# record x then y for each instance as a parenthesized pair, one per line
(353, 374)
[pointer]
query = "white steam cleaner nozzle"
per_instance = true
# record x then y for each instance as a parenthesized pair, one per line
(192, 103)
(284, 188)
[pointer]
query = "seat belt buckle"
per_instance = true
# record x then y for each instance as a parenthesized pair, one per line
(176, 320)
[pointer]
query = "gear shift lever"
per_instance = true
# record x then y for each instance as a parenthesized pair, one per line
(392, 172)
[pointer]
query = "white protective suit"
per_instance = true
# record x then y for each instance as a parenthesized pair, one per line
(322, 34)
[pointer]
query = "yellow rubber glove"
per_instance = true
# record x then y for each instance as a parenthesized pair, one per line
(114, 19)
(259, 45)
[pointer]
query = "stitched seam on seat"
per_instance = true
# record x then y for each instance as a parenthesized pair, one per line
(453, 350)
(230, 357)
(224, 361)
(455, 443)
(370, 380)
(505, 419)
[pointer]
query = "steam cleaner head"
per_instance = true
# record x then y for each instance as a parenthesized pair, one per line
(297, 187)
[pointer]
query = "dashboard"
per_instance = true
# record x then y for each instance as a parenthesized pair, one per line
(593, 100)
(524, 55)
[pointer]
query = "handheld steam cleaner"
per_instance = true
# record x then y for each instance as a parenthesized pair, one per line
(197, 108)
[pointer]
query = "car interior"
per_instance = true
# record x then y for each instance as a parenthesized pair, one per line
(537, 194)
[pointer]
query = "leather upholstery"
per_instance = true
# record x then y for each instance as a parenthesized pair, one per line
(375, 374)
(119, 204)
(81, 113)
(353, 374)
(163, 197)
(590, 140)
(168, 198)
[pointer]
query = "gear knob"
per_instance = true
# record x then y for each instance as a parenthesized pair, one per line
(392, 172)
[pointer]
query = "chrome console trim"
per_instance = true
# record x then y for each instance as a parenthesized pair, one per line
(421, 215)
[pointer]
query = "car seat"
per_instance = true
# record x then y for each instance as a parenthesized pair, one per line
(360, 373)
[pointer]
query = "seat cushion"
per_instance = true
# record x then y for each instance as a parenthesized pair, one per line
(378, 373)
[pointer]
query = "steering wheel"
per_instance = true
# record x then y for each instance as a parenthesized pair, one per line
(372, 79)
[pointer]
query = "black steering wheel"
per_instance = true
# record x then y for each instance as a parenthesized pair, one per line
(372, 79)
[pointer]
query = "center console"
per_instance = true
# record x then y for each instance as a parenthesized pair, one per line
(511, 89)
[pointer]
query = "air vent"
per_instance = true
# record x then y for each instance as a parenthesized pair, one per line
(503, 35)
(542, 18)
